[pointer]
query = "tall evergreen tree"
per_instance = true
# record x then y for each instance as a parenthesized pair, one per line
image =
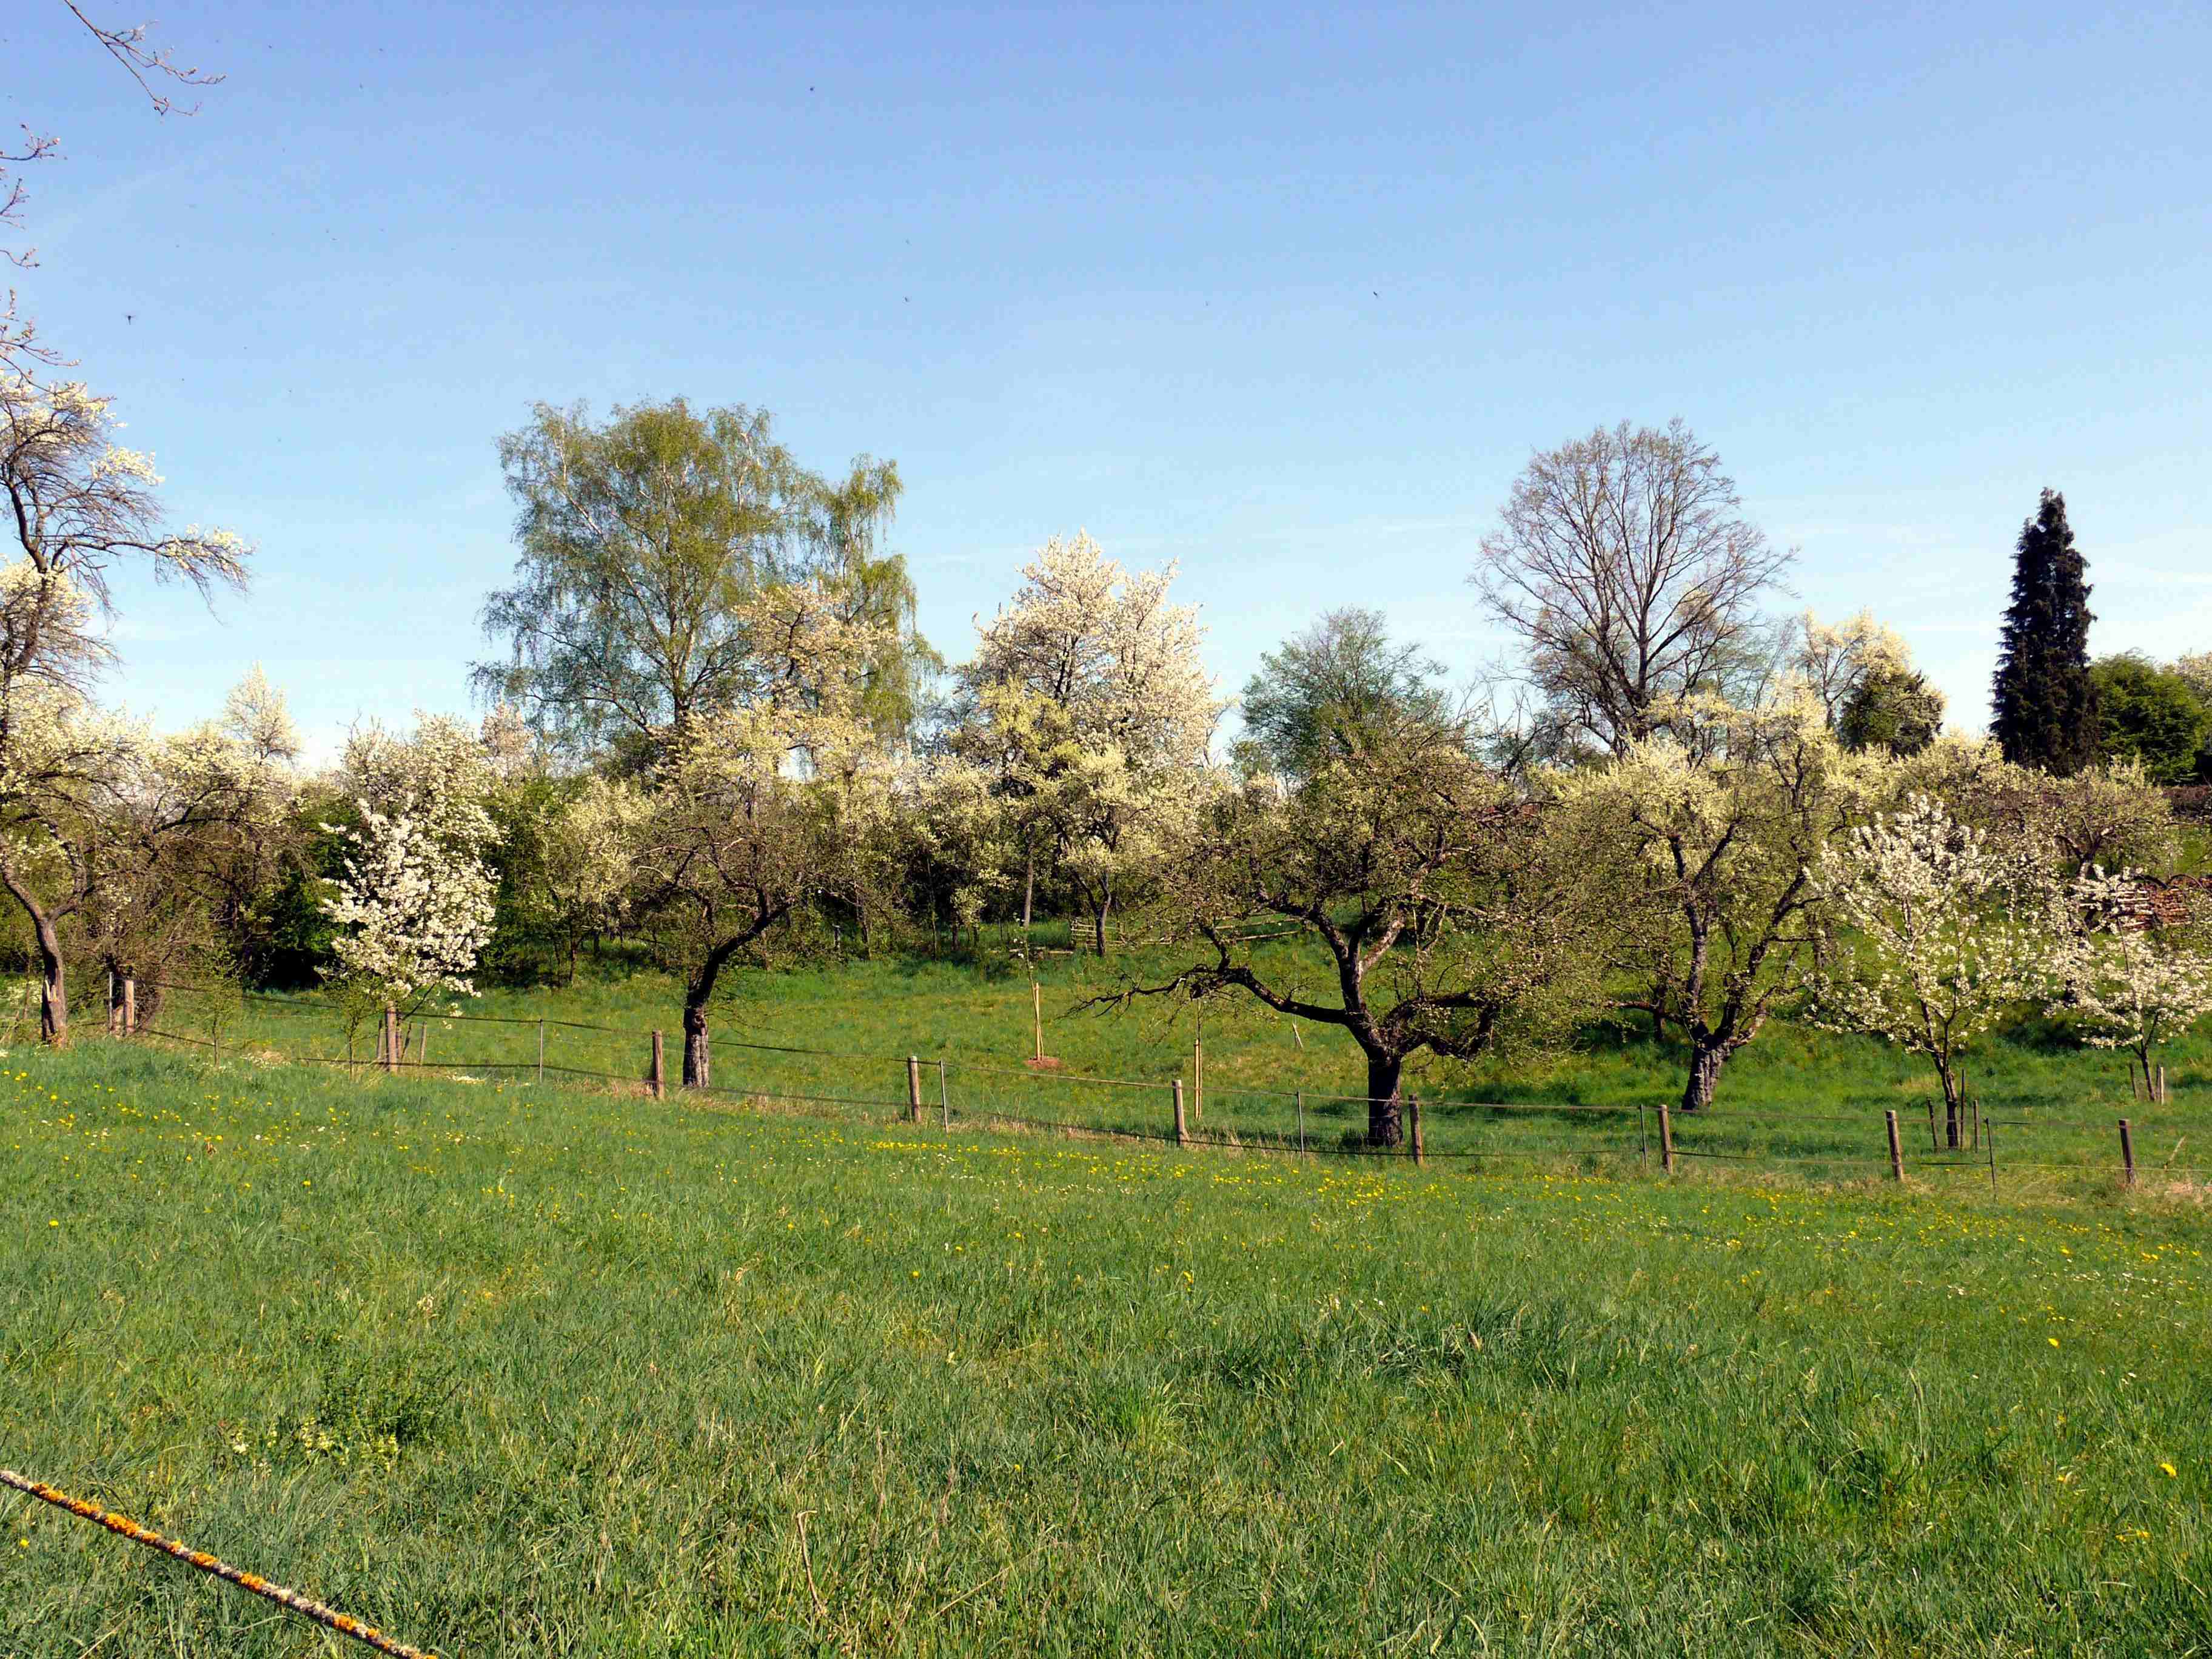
(2044, 708)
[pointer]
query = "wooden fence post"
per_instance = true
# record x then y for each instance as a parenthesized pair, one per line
(1036, 1021)
(1302, 1120)
(1420, 1146)
(113, 1007)
(422, 1045)
(214, 1035)
(2161, 1083)
(913, 1090)
(541, 1048)
(130, 1007)
(1182, 1129)
(944, 1099)
(1896, 1149)
(2127, 1152)
(1666, 1140)
(659, 1074)
(1643, 1139)
(391, 1038)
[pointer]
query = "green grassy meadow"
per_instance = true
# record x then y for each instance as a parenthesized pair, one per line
(513, 1369)
(1797, 1100)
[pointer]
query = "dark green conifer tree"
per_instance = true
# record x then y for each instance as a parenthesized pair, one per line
(2044, 708)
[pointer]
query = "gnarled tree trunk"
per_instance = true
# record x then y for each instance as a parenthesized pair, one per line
(53, 974)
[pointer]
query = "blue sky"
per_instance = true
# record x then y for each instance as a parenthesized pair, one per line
(1285, 296)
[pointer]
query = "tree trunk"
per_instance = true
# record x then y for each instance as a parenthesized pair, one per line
(1385, 1119)
(1028, 887)
(53, 983)
(1099, 921)
(1707, 1058)
(1953, 1107)
(697, 1054)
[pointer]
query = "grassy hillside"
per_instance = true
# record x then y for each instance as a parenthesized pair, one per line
(523, 1371)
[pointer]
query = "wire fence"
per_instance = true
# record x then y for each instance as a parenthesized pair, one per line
(953, 1090)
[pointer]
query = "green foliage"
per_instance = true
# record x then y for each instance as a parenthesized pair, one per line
(641, 542)
(1892, 708)
(514, 1373)
(1334, 689)
(2044, 706)
(2150, 714)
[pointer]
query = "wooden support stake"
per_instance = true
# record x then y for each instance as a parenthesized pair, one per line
(944, 1100)
(391, 1038)
(913, 1090)
(1666, 1140)
(1896, 1150)
(1643, 1139)
(1993, 1156)
(422, 1045)
(659, 1074)
(2162, 1096)
(1036, 1017)
(2127, 1152)
(130, 1007)
(541, 1049)
(1182, 1129)
(1302, 1120)
(114, 1008)
(1420, 1146)
(214, 1036)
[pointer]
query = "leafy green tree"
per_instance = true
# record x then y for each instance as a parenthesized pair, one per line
(1339, 684)
(642, 541)
(1892, 708)
(2044, 707)
(2148, 714)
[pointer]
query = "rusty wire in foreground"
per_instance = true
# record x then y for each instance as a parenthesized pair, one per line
(329, 1617)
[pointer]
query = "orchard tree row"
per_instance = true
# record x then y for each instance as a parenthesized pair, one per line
(717, 741)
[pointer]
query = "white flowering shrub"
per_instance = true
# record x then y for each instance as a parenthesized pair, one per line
(2122, 984)
(414, 906)
(1937, 939)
